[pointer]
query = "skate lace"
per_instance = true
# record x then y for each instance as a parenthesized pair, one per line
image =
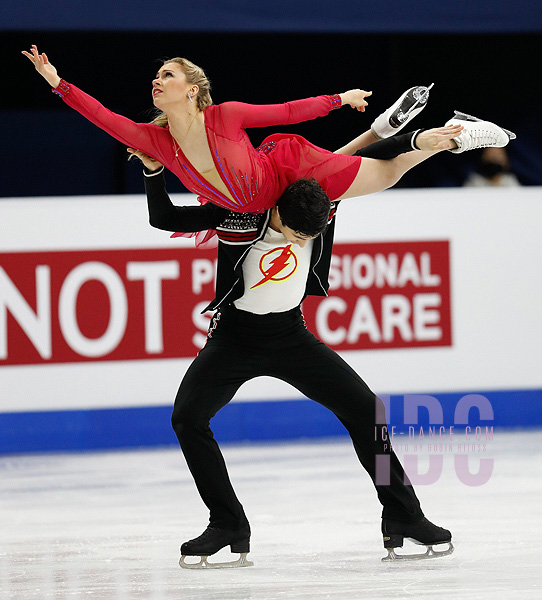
(481, 138)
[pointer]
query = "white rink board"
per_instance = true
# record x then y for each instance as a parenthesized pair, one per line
(496, 293)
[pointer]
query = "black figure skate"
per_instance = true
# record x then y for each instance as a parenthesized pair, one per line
(421, 532)
(211, 541)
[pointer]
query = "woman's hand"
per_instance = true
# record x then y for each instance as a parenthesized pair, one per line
(150, 163)
(440, 138)
(355, 98)
(43, 66)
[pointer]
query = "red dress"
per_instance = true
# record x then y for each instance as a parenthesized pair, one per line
(255, 177)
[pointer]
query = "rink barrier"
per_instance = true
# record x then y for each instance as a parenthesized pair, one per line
(242, 422)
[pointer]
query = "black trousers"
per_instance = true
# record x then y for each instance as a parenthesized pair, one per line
(242, 346)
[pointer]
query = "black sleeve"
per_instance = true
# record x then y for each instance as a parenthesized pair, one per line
(164, 215)
(390, 147)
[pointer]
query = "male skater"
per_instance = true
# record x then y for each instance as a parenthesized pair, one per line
(258, 329)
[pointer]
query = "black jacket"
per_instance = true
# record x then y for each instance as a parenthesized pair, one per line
(237, 233)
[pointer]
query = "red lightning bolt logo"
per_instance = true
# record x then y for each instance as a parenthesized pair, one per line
(276, 266)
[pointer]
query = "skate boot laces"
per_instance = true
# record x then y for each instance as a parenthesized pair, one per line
(478, 133)
(478, 137)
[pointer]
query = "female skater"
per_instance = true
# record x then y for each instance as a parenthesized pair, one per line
(207, 147)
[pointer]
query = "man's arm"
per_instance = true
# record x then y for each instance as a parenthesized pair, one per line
(164, 215)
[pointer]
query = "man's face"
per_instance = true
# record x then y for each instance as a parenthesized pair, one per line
(293, 237)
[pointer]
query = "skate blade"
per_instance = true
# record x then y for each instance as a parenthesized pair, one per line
(242, 561)
(424, 95)
(429, 553)
(418, 96)
(461, 115)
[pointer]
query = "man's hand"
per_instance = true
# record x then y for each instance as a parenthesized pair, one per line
(150, 163)
(440, 138)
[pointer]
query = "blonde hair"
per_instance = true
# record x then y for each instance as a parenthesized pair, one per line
(194, 76)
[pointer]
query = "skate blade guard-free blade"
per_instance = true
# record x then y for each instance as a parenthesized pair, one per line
(203, 563)
(429, 553)
(465, 117)
(411, 104)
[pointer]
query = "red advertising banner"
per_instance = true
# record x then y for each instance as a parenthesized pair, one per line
(385, 295)
(74, 306)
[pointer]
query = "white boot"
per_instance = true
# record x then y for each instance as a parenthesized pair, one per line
(478, 134)
(410, 104)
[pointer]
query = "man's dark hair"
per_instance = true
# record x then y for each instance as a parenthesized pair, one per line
(304, 207)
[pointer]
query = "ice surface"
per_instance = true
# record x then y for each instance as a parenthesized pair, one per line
(109, 525)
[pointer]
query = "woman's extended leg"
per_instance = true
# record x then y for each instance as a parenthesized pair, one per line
(460, 134)
(376, 175)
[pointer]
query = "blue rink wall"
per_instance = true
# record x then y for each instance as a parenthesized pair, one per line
(238, 422)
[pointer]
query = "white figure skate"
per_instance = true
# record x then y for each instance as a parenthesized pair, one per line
(478, 133)
(410, 104)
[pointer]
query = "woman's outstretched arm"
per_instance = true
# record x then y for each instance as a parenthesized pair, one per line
(143, 136)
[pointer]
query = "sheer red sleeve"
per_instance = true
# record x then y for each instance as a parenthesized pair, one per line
(243, 116)
(142, 136)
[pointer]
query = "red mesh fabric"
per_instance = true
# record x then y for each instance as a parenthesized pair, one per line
(255, 179)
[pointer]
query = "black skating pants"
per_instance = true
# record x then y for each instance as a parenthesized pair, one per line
(242, 346)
